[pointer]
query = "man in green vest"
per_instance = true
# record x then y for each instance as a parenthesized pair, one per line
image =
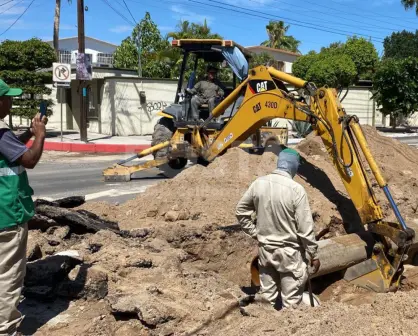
(16, 207)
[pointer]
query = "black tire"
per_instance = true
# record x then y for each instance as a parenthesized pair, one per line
(178, 163)
(201, 161)
(163, 131)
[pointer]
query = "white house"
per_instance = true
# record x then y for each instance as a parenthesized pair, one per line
(284, 59)
(101, 52)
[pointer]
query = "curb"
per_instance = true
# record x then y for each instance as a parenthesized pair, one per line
(91, 147)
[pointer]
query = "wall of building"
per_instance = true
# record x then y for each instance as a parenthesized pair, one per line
(121, 112)
(357, 102)
(118, 111)
(287, 59)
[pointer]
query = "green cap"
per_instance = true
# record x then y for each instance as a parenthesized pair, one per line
(5, 90)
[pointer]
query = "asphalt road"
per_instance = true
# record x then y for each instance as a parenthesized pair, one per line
(82, 176)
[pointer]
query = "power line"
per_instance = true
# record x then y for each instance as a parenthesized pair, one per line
(129, 11)
(361, 9)
(300, 23)
(6, 10)
(5, 3)
(17, 18)
(337, 23)
(337, 16)
(119, 13)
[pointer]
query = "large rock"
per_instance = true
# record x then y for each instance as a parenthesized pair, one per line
(36, 241)
(150, 312)
(84, 282)
(46, 274)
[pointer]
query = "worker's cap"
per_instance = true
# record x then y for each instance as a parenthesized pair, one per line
(289, 161)
(7, 91)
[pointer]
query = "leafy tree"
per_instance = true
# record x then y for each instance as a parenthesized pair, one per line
(302, 65)
(21, 65)
(363, 54)
(335, 71)
(401, 44)
(187, 30)
(339, 64)
(410, 4)
(276, 31)
(148, 39)
(260, 59)
(396, 87)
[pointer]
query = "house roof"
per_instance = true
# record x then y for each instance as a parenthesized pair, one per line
(87, 38)
(273, 49)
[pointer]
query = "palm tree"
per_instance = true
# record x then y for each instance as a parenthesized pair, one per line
(409, 4)
(276, 31)
(57, 25)
(183, 31)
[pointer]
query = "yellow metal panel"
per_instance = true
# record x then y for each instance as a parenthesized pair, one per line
(162, 114)
(329, 110)
(297, 82)
(367, 153)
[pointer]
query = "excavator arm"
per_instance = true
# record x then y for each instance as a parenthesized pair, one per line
(266, 98)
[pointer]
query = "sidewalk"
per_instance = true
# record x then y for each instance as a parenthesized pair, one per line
(97, 143)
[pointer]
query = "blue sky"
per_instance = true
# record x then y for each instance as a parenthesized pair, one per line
(334, 19)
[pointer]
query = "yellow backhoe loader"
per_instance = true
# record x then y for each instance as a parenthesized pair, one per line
(177, 138)
(373, 258)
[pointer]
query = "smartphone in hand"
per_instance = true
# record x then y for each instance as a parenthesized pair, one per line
(43, 108)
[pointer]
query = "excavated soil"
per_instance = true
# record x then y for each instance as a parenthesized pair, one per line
(186, 268)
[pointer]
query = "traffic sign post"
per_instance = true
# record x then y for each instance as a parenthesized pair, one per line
(61, 76)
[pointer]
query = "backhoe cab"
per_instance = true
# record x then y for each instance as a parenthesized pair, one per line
(178, 137)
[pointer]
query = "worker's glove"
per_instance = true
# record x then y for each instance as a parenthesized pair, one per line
(315, 264)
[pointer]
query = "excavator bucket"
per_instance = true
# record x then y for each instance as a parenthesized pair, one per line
(119, 173)
(352, 254)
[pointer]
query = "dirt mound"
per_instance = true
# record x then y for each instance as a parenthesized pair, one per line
(184, 269)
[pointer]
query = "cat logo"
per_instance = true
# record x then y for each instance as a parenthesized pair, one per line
(261, 86)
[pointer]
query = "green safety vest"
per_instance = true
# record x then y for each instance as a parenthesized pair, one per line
(16, 205)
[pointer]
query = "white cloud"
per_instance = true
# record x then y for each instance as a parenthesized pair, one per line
(67, 27)
(181, 13)
(121, 29)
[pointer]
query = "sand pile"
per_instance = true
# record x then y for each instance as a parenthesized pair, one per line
(184, 270)
(210, 194)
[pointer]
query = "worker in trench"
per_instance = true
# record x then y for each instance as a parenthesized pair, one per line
(16, 207)
(284, 230)
(207, 91)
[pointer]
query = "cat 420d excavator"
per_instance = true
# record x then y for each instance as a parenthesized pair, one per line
(373, 258)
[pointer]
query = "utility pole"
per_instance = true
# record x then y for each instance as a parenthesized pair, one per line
(138, 44)
(82, 86)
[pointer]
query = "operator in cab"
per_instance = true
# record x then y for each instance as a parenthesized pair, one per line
(284, 230)
(207, 91)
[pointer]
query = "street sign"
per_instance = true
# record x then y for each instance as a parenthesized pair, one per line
(61, 74)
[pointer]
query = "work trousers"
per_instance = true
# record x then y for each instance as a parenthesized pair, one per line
(282, 270)
(197, 101)
(13, 243)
